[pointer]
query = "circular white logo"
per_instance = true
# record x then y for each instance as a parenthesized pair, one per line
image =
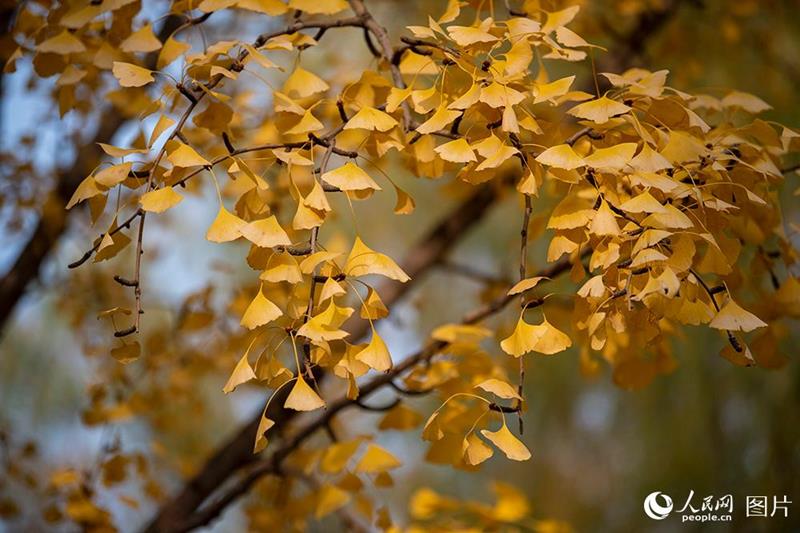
(653, 505)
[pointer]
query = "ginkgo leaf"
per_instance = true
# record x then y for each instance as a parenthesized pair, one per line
(525, 285)
(308, 123)
(507, 443)
(170, 51)
(439, 120)
(130, 75)
(469, 35)
(127, 353)
(260, 311)
(350, 177)
(264, 425)
(302, 83)
(282, 267)
(548, 92)
(369, 118)
(561, 156)
(330, 498)
(551, 340)
(648, 160)
(375, 460)
(457, 151)
(499, 388)
(373, 307)
(460, 333)
(336, 456)
(615, 157)
(64, 43)
(86, 189)
(543, 338)
(160, 200)
(363, 260)
(266, 233)
(376, 354)
(604, 221)
(474, 450)
(522, 340)
(325, 325)
(226, 226)
(113, 175)
(185, 156)
(164, 122)
(643, 203)
(302, 397)
(242, 373)
(142, 40)
(599, 111)
(733, 317)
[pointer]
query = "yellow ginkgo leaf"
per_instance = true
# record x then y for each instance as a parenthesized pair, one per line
(522, 340)
(303, 398)
(160, 200)
(264, 425)
(142, 40)
(615, 157)
(363, 261)
(350, 177)
(330, 289)
(439, 120)
(405, 204)
(164, 122)
(376, 354)
(373, 307)
(130, 75)
(266, 233)
(336, 456)
(599, 111)
(317, 7)
(308, 123)
(474, 450)
(114, 175)
(172, 50)
(549, 92)
(643, 203)
(302, 83)
(330, 498)
(226, 226)
(457, 151)
(260, 311)
(376, 460)
(282, 267)
(64, 43)
(561, 156)
(733, 317)
(499, 388)
(551, 340)
(460, 333)
(526, 285)
(369, 118)
(604, 221)
(242, 373)
(468, 35)
(185, 156)
(400, 417)
(648, 160)
(325, 325)
(86, 189)
(507, 443)
(543, 338)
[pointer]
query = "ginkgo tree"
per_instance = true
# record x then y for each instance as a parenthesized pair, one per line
(653, 200)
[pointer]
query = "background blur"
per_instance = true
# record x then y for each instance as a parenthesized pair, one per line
(598, 450)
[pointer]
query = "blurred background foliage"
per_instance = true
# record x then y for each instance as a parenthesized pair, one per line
(708, 426)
